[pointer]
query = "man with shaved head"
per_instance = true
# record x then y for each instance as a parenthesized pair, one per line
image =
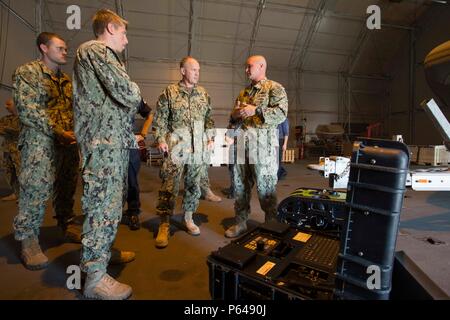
(259, 109)
(183, 115)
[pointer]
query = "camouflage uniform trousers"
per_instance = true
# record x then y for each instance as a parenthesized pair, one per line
(171, 173)
(264, 173)
(11, 163)
(204, 177)
(46, 170)
(104, 172)
(204, 181)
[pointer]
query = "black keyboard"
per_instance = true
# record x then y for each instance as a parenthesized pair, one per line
(320, 252)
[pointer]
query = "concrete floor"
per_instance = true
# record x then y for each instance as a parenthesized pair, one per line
(180, 270)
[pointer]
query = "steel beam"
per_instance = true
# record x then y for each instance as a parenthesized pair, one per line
(38, 22)
(363, 21)
(227, 64)
(256, 22)
(5, 86)
(22, 19)
(299, 62)
(191, 27)
(121, 12)
(321, 8)
(412, 86)
(354, 57)
(38, 16)
(237, 72)
(48, 22)
(276, 7)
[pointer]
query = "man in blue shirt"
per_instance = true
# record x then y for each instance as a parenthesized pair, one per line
(283, 134)
(131, 216)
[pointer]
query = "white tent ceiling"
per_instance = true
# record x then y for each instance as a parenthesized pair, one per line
(309, 45)
(319, 35)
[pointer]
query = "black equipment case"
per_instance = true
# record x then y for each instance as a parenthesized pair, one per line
(326, 241)
(375, 192)
(274, 262)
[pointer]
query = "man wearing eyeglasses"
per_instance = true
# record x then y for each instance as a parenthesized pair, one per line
(49, 155)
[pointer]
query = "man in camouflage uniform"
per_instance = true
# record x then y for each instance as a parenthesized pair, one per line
(183, 114)
(105, 103)
(49, 156)
(259, 108)
(9, 129)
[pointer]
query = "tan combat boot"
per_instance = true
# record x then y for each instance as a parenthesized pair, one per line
(162, 240)
(236, 230)
(210, 196)
(32, 255)
(10, 197)
(191, 227)
(119, 257)
(99, 285)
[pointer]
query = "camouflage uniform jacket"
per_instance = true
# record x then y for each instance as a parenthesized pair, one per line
(271, 103)
(44, 102)
(9, 129)
(180, 111)
(105, 99)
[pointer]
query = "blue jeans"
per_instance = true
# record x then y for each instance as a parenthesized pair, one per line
(134, 203)
(281, 170)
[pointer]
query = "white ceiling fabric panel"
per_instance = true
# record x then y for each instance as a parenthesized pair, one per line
(320, 40)
(226, 30)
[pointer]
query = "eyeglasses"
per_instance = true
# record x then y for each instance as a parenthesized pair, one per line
(62, 49)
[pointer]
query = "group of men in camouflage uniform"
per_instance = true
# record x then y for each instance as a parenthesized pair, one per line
(56, 122)
(97, 121)
(184, 107)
